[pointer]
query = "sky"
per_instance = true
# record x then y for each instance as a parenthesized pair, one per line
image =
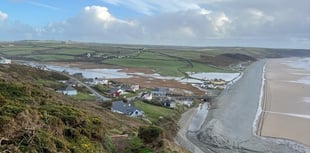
(244, 23)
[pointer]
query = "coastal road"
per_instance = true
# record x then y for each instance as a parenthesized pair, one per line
(181, 138)
(229, 124)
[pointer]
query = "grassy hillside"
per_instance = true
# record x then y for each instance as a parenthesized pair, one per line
(33, 118)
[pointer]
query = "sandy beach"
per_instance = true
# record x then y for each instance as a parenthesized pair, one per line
(230, 124)
(286, 111)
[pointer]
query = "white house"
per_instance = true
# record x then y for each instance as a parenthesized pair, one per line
(4, 60)
(67, 90)
(134, 88)
(146, 96)
(97, 81)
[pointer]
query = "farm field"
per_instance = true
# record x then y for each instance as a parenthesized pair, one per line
(165, 60)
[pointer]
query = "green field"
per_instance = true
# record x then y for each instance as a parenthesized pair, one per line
(153, 112)
(45, 58)
(84, 96)
(165, 65)
(165, 60)
(20, 50)
(72, 51)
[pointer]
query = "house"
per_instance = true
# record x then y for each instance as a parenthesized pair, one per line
(126, 109)
(115, 92)
(159, 92)
(169, 103)
(88, 81)
(4, 60)
(88, 55)
(101, 81)
(73, 83)
(67, 90)
(146, 96)
(96, 81)
(135, 88)
(78, 75)
(42, 67)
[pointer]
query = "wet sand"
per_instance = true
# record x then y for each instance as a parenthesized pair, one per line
(286, 112)
(230, 125)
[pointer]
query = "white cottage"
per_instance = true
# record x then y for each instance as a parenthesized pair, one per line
(4, 60)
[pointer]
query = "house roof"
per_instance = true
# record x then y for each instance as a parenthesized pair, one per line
(125, 108)
(66, 88)
(161, 89)
(113, 90)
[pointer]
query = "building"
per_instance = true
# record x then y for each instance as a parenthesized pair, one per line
(126, 109)
(67, 90)
(4, 60)
(96, 81)
(135, 88)
(73, 83)
(115, 92)
(159, 92)
(146, 96)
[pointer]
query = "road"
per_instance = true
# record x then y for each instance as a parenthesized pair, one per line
(181, 137)
(98, 95)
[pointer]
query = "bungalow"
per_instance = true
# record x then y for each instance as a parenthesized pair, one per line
(96, 81)
(42, 67)
(73, 83)
(159, 92)
(101, 81)
(135, 88)
(126, 109)
(115, 92)
(67, 90)
(146, 96)
(4, 60)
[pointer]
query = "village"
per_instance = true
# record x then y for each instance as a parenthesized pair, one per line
(121, 98)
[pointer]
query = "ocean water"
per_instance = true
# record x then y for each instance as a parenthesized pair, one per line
(299, 63)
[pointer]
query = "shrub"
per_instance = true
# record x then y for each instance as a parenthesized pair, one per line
(149, 134)
(108, 144)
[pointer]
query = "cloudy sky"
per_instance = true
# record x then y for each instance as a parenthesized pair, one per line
(256, 23)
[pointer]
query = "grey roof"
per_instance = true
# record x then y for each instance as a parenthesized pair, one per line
(113, 90)
(125, 108)
(160, 89)
(66, 88)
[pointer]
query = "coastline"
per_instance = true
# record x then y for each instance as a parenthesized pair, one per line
(283, 109)
(257, 124)
(230, 123)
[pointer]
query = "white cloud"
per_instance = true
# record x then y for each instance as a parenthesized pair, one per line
(3, 16)
(259, 16)
(151, 7)
(190, 22)
(99, 12)
(43, 5)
